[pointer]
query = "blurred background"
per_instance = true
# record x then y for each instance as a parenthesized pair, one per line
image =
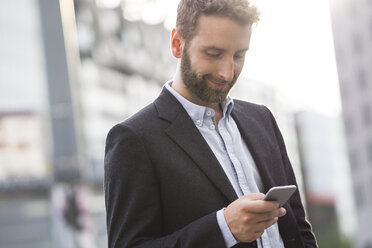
(71, 69)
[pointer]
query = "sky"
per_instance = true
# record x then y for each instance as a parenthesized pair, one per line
(292, 49)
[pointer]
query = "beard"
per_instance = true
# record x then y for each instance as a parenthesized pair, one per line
(198, 83)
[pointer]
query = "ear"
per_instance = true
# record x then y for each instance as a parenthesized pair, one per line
(176, 43)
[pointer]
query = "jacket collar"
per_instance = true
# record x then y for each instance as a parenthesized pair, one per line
(257, 142)
(185, 134)
(182, 131)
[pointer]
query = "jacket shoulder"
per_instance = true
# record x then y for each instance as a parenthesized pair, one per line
(142, 117)
(251, 108)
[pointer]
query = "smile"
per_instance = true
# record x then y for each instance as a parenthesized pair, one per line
(220, 84)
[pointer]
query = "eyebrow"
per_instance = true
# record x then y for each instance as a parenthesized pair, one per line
(222, 50)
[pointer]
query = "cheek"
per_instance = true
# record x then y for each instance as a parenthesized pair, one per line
(197, 63)
(204, 67)
(238, 68)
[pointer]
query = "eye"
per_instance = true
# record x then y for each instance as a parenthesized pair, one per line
(239, 55)
(213, 54)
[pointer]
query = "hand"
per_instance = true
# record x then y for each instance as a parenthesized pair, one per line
(248, 216)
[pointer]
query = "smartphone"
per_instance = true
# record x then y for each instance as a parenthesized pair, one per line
(280, 194)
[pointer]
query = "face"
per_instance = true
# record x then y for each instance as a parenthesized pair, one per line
(213, 59)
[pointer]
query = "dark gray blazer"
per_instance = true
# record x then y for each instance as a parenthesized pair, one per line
(163, 184)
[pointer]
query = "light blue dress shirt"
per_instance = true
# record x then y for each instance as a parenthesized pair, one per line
(233, 154)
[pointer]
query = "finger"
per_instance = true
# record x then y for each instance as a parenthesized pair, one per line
(253, 196)
(259, 218)
(282, 212)
(259, 206)
(265, 224)
(271, 215)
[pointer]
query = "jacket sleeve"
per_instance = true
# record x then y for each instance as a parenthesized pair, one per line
(133, 200)
(295, 201)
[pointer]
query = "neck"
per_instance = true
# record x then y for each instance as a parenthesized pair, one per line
(179, 86)
(183, 91)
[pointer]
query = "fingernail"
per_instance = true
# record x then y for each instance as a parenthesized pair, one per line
(282, 211)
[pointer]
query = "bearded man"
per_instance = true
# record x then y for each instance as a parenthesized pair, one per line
(190, 169)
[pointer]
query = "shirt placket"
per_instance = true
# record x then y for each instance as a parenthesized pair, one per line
(244, 186)
(235, 164)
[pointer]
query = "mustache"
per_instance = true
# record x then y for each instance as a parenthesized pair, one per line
(216, 80)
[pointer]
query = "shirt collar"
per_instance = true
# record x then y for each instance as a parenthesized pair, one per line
(197, 112)
(227, 107)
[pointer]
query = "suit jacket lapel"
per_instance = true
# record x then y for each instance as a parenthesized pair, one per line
(255, 139)
(183, 132)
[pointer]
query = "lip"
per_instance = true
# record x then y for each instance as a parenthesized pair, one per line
(216, 84)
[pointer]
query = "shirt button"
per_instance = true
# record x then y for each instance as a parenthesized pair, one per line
(244, 186)
(198, 122)
(209, 113)
(213, 127)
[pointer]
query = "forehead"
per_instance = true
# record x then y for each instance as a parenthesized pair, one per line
(221, 32)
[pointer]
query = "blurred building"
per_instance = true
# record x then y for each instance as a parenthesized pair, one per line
(24, 182)
(352, 30)
(71, 84)
(124, 64)
(325, 169)
(25, 171)
(21, 147)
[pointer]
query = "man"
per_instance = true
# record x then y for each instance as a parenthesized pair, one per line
(187, 170)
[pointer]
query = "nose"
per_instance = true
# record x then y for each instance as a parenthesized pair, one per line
(226, 70)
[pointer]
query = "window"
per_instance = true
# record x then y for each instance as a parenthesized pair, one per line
(357, 44)
(362, 79)
(367, 115)
(368, 245)
(369, 151)
(344, 89)
(354, 160)
(359, 196)
(370, 28)
(340, 54)
(353, 9)
(348, 126)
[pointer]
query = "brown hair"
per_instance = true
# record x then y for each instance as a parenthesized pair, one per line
(189, 11)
